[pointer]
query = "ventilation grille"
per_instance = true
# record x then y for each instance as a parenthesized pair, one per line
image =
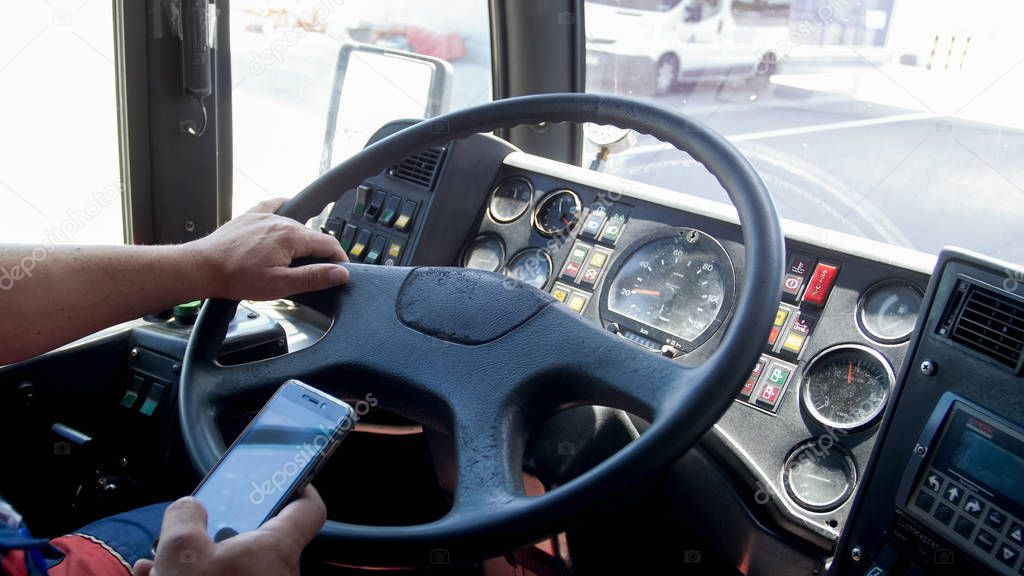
(990, 323)
(422, 168)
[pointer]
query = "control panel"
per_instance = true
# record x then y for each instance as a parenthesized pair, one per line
(805, 291)
(944, 492)
(590, 254)
(375, 230)
(971, 488)
(666, 278)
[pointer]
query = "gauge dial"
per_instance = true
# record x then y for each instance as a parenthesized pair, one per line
(511, 199)
(676, 286)
(819, 478)
(486, 253)
(531, 266)
(888, 311)
(846, 387)
(557, 213)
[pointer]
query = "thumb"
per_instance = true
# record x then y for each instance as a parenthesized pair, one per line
(310, 278)
(143, 567)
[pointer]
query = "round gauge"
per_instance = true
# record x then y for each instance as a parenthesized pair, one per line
(531, 266)
(888, 311)
(486, 253)
(675, 286)
(846, 387)
(819, 476)
(511, 199)
(557, 213)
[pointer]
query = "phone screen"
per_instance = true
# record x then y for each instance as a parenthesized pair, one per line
(269, 460)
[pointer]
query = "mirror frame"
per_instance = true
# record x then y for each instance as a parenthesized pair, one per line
(437, 100)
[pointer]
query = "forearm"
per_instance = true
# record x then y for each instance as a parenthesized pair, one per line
(54, 295)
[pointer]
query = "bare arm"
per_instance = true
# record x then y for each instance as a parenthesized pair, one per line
(52, 295)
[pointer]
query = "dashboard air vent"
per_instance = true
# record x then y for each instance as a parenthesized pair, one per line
(987, 322)
(422, 168)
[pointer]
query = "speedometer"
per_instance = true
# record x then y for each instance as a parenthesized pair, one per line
(674, 287)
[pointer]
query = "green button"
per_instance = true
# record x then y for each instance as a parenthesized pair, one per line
(129, 398)
(152, 400)
(613, 228)
(778, 375)
(188, 312)
(188, 307)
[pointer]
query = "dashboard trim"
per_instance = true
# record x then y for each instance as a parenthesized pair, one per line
(864, 248)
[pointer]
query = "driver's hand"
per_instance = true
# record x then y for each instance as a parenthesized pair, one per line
(274, 548)
(248, 258)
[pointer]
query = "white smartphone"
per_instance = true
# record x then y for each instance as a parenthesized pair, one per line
(273, 459)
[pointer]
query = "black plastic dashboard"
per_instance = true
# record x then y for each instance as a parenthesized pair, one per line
(659, 268)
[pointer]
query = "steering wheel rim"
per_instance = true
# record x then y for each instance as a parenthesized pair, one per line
(682, 403)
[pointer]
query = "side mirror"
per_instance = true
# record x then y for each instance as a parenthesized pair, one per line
(375, 85)
(694, 12)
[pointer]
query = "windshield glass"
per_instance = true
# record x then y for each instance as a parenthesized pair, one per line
(284, 66)
(893, 120)
(658, 5)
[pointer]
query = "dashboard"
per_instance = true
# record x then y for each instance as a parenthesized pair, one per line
(661, 269)
(814, 436)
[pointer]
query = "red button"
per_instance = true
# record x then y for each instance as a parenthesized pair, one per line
(820, 283)
(769, 394)
(572, 269)
(749, 386)
(774, 335)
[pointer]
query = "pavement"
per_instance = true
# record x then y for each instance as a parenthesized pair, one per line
(911, 176)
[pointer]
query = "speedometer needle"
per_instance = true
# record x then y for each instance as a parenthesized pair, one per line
(849, 374)
(647, 291)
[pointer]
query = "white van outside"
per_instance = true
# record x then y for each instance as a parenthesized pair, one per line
(650, 45)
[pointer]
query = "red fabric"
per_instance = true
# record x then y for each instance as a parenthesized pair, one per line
(85, 557)
(12, 562)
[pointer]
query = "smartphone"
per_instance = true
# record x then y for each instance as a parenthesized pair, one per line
(273, 459)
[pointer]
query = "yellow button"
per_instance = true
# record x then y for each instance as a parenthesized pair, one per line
(395, 250)
(598, 259)
(560, 294)
(357, 250)
(577, 302)
(794, 342)
(402, 222)
(780, 316)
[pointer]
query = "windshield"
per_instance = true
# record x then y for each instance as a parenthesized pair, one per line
(893, 120)
(659, 5)
(284, 61)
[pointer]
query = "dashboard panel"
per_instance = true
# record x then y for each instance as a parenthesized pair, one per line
(660, 268)
(944, 491)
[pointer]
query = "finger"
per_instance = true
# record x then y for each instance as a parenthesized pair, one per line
(319, 245)
(142, 568)
(300, 520)
(184, 528)
(308, 278)
(268, 206)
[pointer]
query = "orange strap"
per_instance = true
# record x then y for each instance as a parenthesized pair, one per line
(87, 556)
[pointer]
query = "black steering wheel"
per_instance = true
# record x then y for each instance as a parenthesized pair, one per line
(480, 358)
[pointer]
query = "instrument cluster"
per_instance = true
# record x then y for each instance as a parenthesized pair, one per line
(667, 279)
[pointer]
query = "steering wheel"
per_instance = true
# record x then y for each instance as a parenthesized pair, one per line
(483, 359)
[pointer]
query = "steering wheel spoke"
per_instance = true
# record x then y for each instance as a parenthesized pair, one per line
(488, 454)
